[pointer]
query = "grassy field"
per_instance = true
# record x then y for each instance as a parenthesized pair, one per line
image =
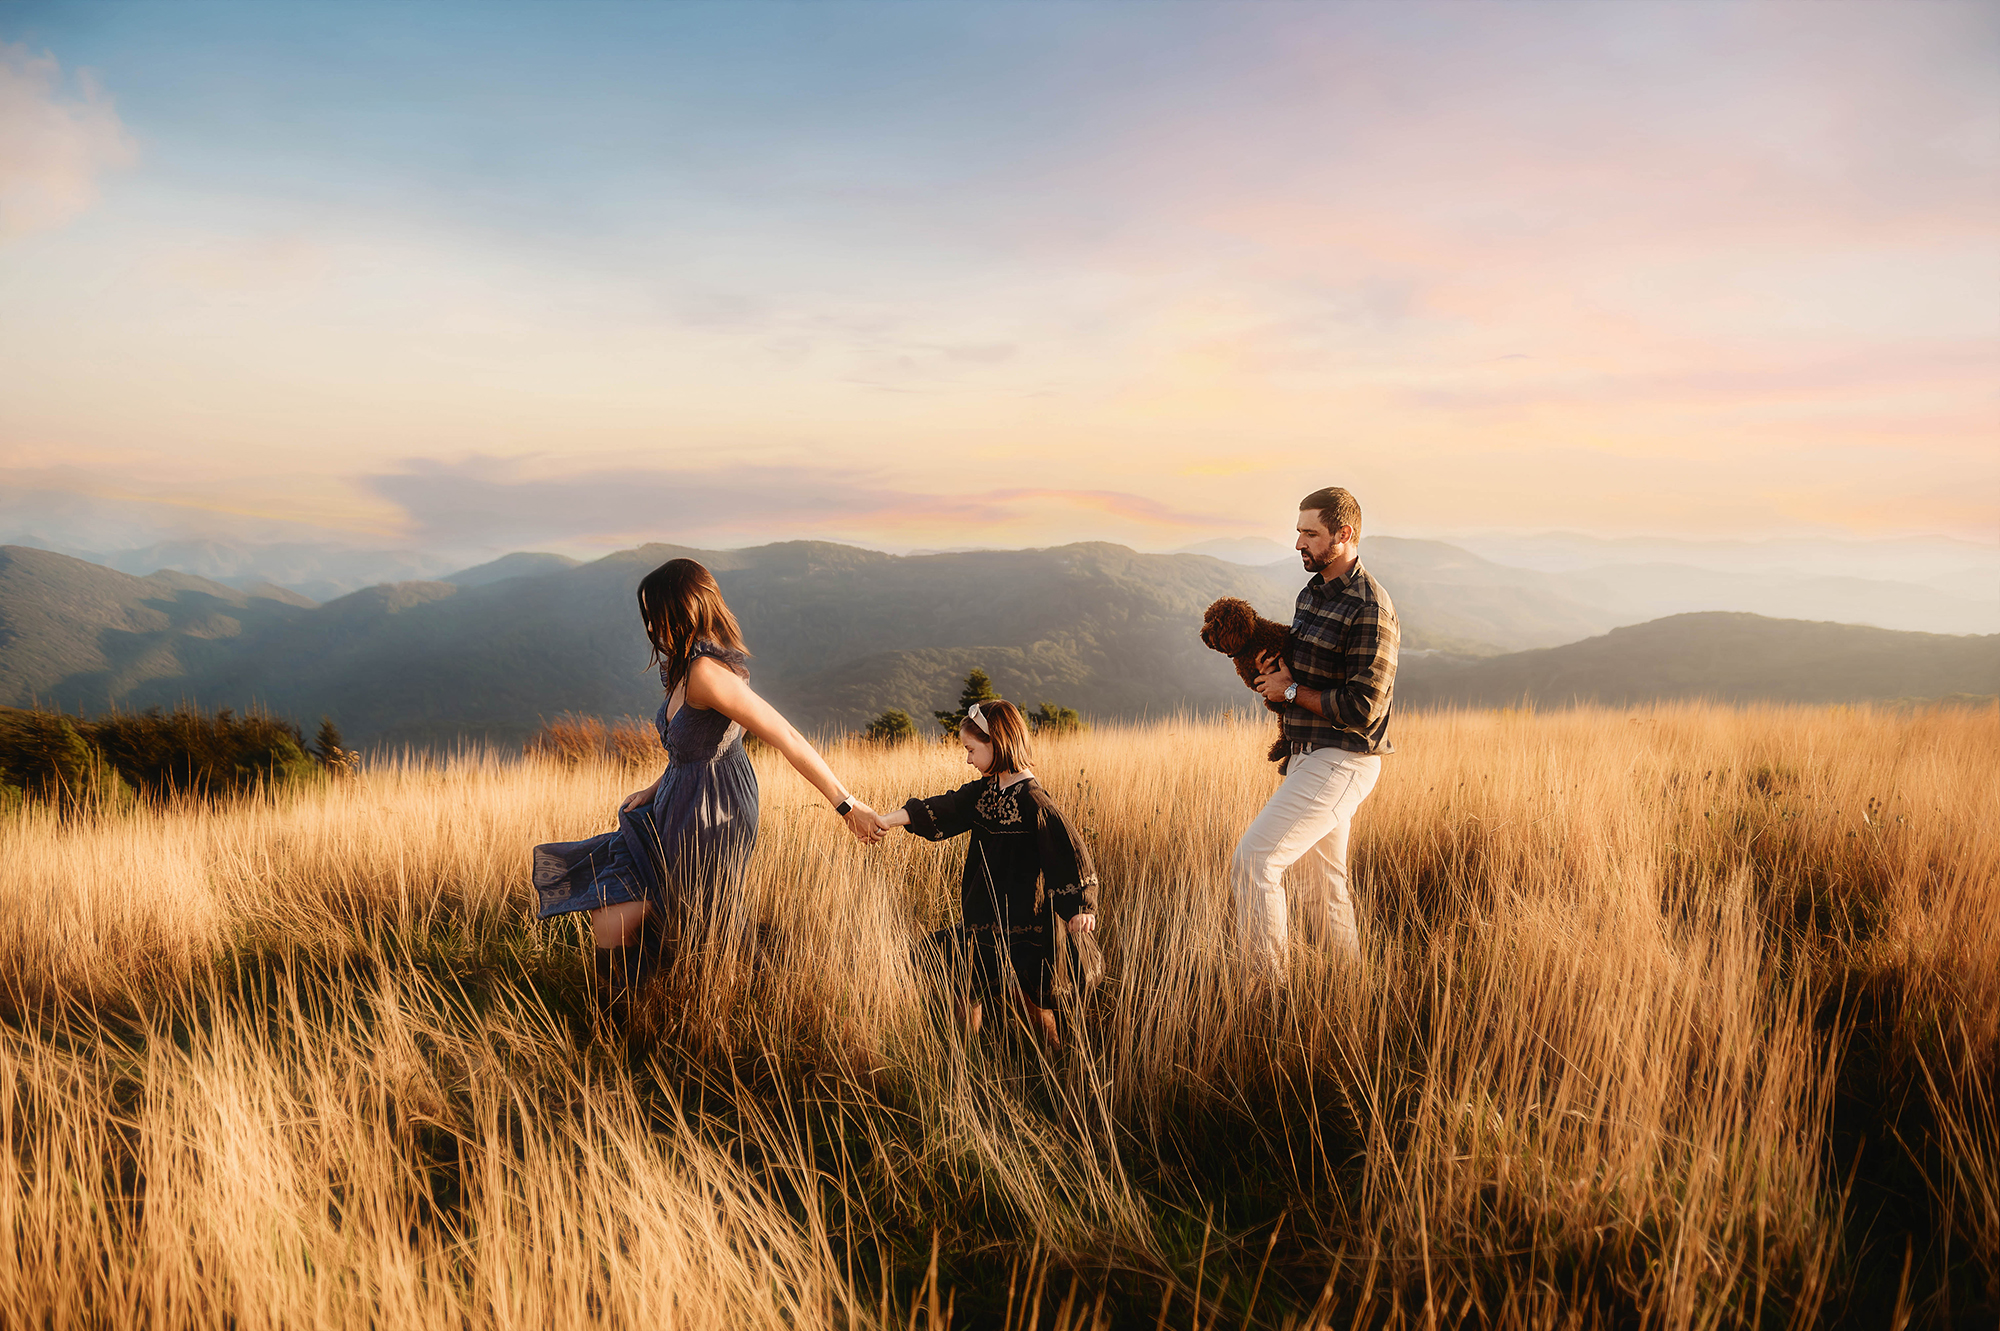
(1684, 1018)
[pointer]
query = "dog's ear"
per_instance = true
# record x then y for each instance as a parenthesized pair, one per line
(1242, 624)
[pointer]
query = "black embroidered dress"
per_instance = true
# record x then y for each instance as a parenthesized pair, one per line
(1026, 872)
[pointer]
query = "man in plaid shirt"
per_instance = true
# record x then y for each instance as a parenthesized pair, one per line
(1336, 690)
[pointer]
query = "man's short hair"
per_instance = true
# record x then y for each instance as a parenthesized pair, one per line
(1336, 507)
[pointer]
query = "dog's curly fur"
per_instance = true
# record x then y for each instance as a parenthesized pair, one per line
(1232, 627)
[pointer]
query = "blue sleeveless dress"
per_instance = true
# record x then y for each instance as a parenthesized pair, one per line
(684, 852)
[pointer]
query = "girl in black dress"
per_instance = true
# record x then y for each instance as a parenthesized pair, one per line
(1028, 878)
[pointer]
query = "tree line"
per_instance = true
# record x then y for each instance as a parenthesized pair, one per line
(896, 726)
(110, 761)
(71, 762)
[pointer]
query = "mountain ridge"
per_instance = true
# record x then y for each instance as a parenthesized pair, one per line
(1921, 584)
(1722, 656)
(840, 634)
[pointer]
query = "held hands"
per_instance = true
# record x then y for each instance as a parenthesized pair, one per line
(866, 824)
(1274, 680)
(1082, 924)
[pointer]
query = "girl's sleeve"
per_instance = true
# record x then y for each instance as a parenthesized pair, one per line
(942, 817)
(1067, 872)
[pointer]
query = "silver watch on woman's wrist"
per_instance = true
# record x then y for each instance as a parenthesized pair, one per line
(1292, 691)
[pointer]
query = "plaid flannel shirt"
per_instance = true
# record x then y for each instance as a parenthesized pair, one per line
(1344, 642)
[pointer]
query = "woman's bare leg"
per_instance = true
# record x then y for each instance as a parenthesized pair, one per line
(618, 926)
(619, 960)
(971, 1016)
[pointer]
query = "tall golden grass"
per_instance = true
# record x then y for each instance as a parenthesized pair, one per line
(1684, 1018)
(574, 738)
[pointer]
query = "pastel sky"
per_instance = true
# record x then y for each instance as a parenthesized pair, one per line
(568, 277)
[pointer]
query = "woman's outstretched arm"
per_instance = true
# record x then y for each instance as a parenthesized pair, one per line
(713, 685)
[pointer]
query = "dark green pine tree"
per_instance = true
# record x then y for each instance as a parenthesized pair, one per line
(978, 688)
(328, 744)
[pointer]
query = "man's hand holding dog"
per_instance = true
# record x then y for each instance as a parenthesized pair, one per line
(1277, 677)
(1273, 678)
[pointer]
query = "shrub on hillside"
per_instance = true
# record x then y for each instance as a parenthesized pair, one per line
(1057, 720)
(72, 761)
(186, 751)
(892, 727)
(46, 757)
(1049, 719)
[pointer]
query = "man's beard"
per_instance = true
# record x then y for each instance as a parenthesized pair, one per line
(1314, 563)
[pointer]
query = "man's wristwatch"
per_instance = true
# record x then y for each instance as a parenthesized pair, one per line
(1292, 691)
(844, 806)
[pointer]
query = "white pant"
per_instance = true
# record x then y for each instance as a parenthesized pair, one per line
(1307, 818)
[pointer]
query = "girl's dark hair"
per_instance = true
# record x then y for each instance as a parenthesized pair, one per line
(1007, 731)
(681, 605)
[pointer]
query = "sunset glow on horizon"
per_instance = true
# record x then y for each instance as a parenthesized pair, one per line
(919, 276)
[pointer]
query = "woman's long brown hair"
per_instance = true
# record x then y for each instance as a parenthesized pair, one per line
(681, 605)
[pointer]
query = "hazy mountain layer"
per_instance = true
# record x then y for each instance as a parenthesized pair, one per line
(1456, 594)
(1921, 584)
(1559, 586)
(841, 634)
(1720, 656)
(78, 635)
(317, 571)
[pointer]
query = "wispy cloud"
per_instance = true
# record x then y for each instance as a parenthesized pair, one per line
(117, 507)
(485, 501)
(57, 137)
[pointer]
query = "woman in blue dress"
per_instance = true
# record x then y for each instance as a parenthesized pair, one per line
(672, 871)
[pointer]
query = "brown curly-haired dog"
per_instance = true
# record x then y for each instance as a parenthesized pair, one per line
(1232, 627)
